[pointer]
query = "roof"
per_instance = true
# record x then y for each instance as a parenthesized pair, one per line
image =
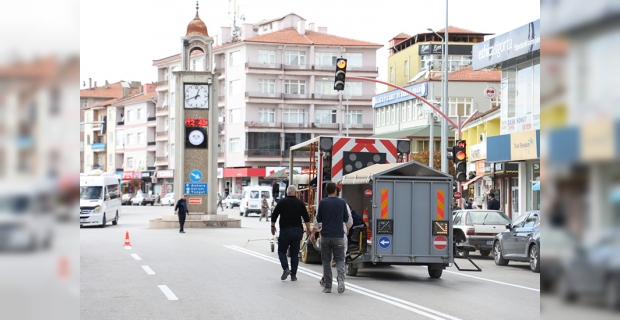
(276, 19)
(137, 98)
(197, 27)
(457, 30)
(291, 36)
(467, 74)
(407, 169)
(402, 35)
(101, 104)
(114, 90)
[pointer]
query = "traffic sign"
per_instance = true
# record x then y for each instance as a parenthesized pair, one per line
(195, 188)
(489, 93)
(440, 243)
(457, 195)
(384, 242)
(195, 175)
(368, 193)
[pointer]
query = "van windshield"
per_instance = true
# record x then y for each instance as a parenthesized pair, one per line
(264, 194)
(90, 193)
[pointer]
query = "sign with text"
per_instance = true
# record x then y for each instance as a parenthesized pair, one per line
(520, 124)
(395, 96)
(478, 151)
(196, 122)
(194, 201)
(453, 49)
(517, 42)
(480, 166)
(194, 188)
(523, 146)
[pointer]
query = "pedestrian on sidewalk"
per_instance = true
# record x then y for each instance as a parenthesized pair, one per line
(291, 211)
(219, 202)
(468, 204)
(331, 213)
(264, 209)
(181, 210)
(492, 204)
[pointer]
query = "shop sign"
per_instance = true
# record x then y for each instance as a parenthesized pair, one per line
(478, 151)
(127, 175)
(597, 141)
(427, 49)
(395, 96)
(137, 175)
(523, 146)
(480, 166)
(517, 42)
(146, 174)
(520, 124)
(165, 174)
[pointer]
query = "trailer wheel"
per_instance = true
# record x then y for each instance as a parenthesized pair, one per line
(350, 270)
(434, 273)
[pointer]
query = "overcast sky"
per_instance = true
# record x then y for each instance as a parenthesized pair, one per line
(119, 39)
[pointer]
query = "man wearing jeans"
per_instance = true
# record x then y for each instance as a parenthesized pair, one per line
(332, 212)
(290, 210)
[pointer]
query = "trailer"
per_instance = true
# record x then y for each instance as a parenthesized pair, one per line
(331, 157)
(408, 207)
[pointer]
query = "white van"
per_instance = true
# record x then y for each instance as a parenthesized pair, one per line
(251, 199)
(100, 198)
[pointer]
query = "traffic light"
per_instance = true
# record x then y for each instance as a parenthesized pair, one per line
(460, 160)
(341, 72)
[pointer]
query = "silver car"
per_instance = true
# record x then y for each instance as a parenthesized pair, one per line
(476, 230)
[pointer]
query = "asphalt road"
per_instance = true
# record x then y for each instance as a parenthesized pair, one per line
(218, 273)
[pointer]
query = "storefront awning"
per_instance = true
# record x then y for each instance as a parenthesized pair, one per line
(466, 184)
(536, 186)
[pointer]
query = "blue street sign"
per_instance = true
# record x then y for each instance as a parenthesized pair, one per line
(384, 242)
(195, 188)
(195, 175)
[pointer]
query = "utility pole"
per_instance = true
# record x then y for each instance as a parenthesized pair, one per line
(444, 100)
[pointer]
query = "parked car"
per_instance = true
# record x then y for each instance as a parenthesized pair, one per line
(233, 200)
(476, 229)
(142, 199)
(126, 199)
(594, 270)
(559, 245)
(168, 199)
(520, 241)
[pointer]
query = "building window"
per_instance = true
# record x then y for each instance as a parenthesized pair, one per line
(353, 89)
(235, 116)
(263, 141)
(378, 117)
(84, 103)
(266, 56)
(409, 110)
(235, 58)
(140, 138)
(392, 75)
(496, 101)
(88, 140)
(355, 60)
(291, 139)
(297, 58)
(139, 116)
(119, 138)
(234, 87)
(460, 106)
(354, 117)
(403, 112)
(129, 163)
(383, 116)
(455, 62)
(267, 86)
(266, 115)
(295, 116)
(324, 88)
(129, 115)
(325, 116)
(235, 145)
(326, 59)
(172, 150)
(100, 161)
(393, 117)
(88, 162)
(89, 117)
(407, 69)
(110, 158)
(172, 102)
(295, 86)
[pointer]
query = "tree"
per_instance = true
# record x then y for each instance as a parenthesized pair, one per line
(137, 184)
(424, 155)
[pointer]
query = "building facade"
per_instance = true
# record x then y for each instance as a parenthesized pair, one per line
(517, 54)
(276, 90)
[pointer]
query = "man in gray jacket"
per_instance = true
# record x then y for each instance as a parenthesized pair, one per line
(332, 212)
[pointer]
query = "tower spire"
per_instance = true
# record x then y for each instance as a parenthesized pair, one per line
(196, 7)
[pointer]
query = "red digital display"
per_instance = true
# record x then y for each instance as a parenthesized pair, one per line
(196, 122)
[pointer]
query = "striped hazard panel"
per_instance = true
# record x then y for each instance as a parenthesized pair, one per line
(384, 203)
(440, 205)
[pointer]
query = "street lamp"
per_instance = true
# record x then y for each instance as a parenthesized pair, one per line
(444, 96)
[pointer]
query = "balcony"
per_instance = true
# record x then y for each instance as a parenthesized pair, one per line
(221, 97)
(150, 146)
(220, 155)
(162, 83)
(221, 128)
(299, 67)
(120, 123)
(265, 125)
(161, 111)
(297, 125)
(161, 161)
(297, 96)
(319, 96)
(331, 126)
(162, 136)
(97, 127)
(263, 153)
(329, 68)
(150, 122)
(297, 154)
(99, 146)
(264, 95)
(364, 97)
(359, 126)
(263, 66)
(221, 69)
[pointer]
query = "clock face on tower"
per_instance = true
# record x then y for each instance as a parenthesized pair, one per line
(196, 137)
(196, 96)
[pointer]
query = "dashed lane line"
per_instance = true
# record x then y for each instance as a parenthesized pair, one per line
(169, 294)
(135, 256)
(148, 270)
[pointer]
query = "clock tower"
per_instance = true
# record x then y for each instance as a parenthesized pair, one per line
(196, 125)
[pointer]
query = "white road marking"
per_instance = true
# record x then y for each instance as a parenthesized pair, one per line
(135, 256)
(169, 294)
(427, 312)
(494, 281)
(148, 270)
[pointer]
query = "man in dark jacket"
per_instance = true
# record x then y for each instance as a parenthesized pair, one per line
(468, 204)
(290, 210)
(332, 213)
(492, 204)
(181, 210)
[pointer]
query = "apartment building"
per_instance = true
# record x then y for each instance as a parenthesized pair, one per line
(276, 91)
(94, 104)
(410, 56)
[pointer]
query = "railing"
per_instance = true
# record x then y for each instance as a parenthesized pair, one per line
(326, 125)
(263, 95)
(220, 154)
(151, 118)
(256, 124)
(325, 68)
(120, 123)
(364, 97)
(362, 69)
(298, 67)
(296, 96)
(296, 125)
(221, 98)
(358, 126)
(296, 154)
(96, 126)
(119, 169)
(262, 153)
(221, 69)
(325, 96)
(151, 168)
(161, 109)
(151, 143)
(162, 83)
(98, 146)
(162, 134)
(161, 159)
(260, 65)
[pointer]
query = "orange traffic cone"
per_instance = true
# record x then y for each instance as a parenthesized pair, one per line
(127, 243)
(368, 227)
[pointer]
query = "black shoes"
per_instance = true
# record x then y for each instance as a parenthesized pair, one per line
(181, 231)
(327, 290)
(293, 277)
(285, 274)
